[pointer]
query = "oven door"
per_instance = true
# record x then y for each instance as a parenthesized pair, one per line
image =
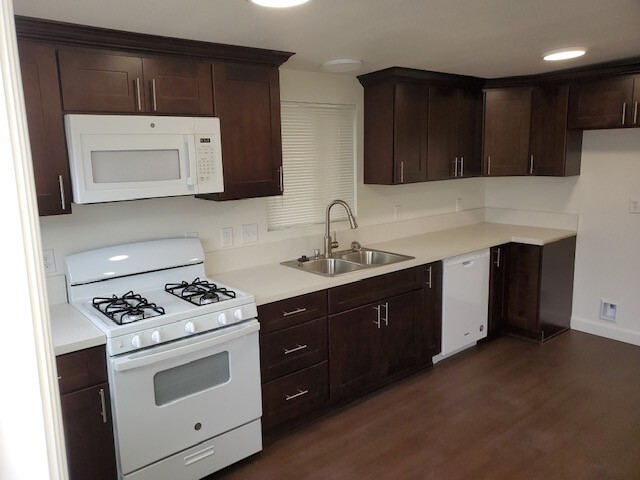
(174, 396)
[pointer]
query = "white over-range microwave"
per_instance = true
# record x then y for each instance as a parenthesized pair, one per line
(125, 157)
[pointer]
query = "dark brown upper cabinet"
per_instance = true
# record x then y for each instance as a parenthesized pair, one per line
(247, 101)
(605, 103)
(114, 83)
(453, 145)
(507, 120)
(46, 131)
(554, 150)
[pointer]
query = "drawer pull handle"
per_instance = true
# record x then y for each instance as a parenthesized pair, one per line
(103, 406)
(293, 312)
(296, 395)
(287, 351)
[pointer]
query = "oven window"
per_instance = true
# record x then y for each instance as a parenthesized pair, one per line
(178, 382)
(118, 166)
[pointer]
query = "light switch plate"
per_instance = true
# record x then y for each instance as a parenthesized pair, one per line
(226, 236)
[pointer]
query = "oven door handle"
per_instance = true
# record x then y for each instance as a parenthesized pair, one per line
(137, 360)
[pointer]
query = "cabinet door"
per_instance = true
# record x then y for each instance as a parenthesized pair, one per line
(88, 434)
(468, 129)
(99, 82)
(355, 352)
(497, 289)
(46, 132)
(247, 100)
(506, 131)
(555, 150)
(410, 134)
(177, 86)
(442, 156)
(432, 329)
(402, 327)
(601, 104)
(523, 291)
(635, 114)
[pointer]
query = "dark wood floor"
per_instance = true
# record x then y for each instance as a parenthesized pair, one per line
(568, 409)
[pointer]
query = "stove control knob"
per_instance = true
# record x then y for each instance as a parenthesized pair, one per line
(136, 341)
(238, 314)
(155, 337)
(222, 318)
(190, 328)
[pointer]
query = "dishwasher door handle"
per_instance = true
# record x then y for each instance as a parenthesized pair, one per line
(468, 263)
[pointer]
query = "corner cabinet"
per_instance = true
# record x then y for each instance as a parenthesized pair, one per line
(46, 131)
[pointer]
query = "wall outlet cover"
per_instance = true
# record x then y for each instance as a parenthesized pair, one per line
(634, 204)
(249, 233)
(608, 310)
(226, 237)
(49, 260)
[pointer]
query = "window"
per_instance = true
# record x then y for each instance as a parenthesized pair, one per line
(318, 161)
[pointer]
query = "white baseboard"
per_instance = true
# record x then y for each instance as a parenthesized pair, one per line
(607, 330)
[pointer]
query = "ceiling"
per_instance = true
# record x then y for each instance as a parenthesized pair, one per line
(485, 38)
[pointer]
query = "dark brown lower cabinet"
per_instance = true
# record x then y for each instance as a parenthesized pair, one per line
(498, 289)
(540, 288)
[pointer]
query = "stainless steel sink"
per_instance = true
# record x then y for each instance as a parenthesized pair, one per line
(329, 267)
(368, 256)
(347, 261)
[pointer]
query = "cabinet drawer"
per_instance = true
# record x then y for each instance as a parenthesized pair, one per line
(292, 311)
(294, 348)
(294, 395)
(360, 293)
(81, 369)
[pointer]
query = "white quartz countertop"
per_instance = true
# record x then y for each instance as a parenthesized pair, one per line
(273, 282)
(72, 331)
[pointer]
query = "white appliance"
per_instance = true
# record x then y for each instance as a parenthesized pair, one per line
(465, 305)
(125, 157)
(183, 357)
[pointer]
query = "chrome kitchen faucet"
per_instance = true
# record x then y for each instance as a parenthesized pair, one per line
(331, 243)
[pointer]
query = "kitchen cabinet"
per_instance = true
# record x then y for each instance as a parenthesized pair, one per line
(499, 257)
(293, 359)
(610, 102)
(554, 149)
(453, 144)
(46, 132)
(540, 288)
(86, 414)
(507, 120)
(432, 304)
(247, 101)
(117, 83)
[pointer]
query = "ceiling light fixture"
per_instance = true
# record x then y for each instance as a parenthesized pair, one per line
(279, 3)
(564, 54)
(340, 65)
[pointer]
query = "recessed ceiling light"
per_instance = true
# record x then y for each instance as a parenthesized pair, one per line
(279, 3)
(340, 65)
(564, 54)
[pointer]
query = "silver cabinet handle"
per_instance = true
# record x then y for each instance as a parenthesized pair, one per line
(624, 112)
(287, 351)
(377, 321)
(138, 97)
(63, 201)
(103, 406)
(497, 262)
(635, 112)
(281, 179)
(455, 167)
(386, 314)
(489, 165)
(462, 166)
(293, 312)
(296, 395)
(429, 284)
(531, 165)
(153, 92)
(401, 172)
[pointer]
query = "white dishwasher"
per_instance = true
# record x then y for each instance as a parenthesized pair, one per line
(465, 301)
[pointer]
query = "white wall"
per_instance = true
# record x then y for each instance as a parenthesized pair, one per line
(608, 246)
(93, 226)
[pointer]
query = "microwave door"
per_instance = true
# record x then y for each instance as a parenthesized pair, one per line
(127, 167)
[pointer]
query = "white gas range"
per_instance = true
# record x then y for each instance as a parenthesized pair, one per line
(183, 357)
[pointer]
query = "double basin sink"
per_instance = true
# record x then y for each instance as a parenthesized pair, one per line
(346, 261)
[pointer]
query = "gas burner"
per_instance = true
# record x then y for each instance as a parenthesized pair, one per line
(199, 292)
(128, 308)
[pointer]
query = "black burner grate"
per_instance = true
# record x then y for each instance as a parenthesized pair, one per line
(130, 307)
(199, 292)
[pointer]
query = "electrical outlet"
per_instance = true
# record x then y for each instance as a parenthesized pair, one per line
(634, 204)
(49, 260)
(249, 233)
(191, 235)
(608, 310)
(227, 236)
(458, 204)
(397, 212)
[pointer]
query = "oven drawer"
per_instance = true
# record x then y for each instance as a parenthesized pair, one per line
(294, 395)
(292, 349)
(292, 311)
(81, 369)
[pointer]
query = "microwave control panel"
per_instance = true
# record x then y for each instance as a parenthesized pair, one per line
(209, 163)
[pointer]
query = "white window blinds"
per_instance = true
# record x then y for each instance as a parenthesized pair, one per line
(318, 161)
